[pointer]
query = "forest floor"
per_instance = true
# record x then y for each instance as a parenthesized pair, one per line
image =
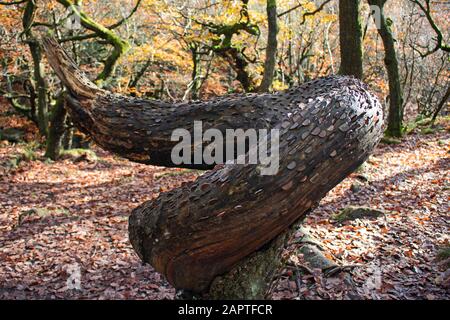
(63, 226)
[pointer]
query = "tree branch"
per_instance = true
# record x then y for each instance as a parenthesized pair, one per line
(306, 14)
(12, 3)
(440, 45)
(120, 46)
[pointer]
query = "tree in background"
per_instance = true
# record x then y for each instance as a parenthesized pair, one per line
(271, 49)
(426, 9)
(395, 115)
(350, 38)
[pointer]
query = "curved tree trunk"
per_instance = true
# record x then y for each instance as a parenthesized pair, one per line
(200, 231)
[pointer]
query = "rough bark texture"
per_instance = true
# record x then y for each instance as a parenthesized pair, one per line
(350, 37)
(395, 116)
(272, 44)
(38, 68)
(441, 104)
(199, 231)
(253, 277)
(239, 63)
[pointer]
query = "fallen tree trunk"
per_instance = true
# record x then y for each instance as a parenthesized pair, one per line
(200, 231)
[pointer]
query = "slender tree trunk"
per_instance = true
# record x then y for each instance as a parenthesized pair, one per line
(271, 50)
(395, 117)
(350, 37)
(239, 64)
(41, 85)
(196, 81)
(441, 104)
(29, 87)
(57, 128)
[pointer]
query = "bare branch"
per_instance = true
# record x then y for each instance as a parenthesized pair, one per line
(306, 14)
(12, 3)
(440, 45)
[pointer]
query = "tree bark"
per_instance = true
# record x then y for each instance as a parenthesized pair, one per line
(239, 64)
(196, 82)
(350, 37)
(395, 117)
(57, 128)
(38, 69)
(200, 231)
(441, 104)
(272, 44)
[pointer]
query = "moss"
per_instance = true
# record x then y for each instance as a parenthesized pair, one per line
(428, 130)
(390, 140)
(176, 173)
(39, 212)
(443, 253)
(77, 153)
(28, 153)
(120, 46)
(423, 121)
(352, 213)
(362, 168)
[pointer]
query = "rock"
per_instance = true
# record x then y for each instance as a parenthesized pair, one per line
(356, 187)
(312, 251)
(362, 168)
(12, 135)
(352, 213)
(362, 178)
(315, 257)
